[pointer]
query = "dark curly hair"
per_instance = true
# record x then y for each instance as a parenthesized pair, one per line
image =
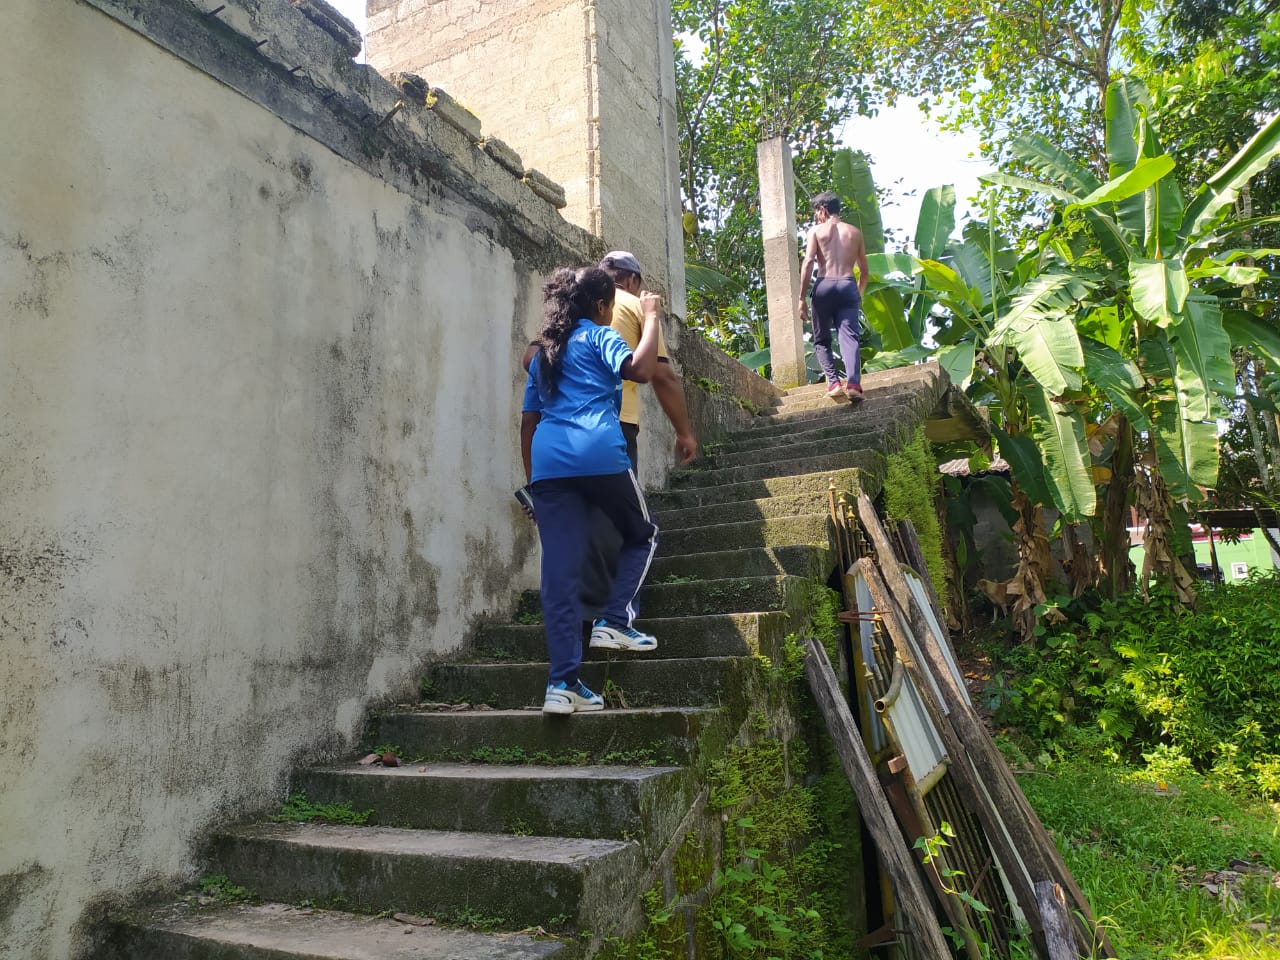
(567, 297)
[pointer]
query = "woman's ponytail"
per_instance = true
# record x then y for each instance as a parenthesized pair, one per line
(568, 296)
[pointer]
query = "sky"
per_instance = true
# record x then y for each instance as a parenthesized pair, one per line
(909, 154)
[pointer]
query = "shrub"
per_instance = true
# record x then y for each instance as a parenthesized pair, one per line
(1153, 678)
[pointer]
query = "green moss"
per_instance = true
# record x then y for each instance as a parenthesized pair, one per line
(299, 809)
(693, 865)
(910, 487)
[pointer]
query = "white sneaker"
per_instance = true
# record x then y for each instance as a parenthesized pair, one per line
(562, 698)
(605, 635)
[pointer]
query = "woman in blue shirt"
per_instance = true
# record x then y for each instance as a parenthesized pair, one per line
(577, 461)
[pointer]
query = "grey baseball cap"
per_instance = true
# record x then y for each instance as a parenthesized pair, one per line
(622, 260)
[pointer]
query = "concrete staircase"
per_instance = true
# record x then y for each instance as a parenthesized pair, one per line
(503, 817)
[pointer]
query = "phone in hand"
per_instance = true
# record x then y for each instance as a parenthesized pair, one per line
(526, 500)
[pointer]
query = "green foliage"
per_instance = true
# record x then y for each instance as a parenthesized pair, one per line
(298, 809)
(1156, 679)
(909, 490)
(219, 887)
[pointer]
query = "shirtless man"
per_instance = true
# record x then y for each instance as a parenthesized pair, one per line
(835, 247)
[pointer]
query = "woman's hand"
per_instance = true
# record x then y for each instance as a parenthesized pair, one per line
(650, 306)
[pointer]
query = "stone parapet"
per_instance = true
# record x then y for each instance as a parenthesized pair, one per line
(293, 59)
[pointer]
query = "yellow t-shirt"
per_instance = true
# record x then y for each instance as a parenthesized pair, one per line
(628, 320)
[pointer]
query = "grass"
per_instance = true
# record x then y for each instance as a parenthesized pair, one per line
(299, 809)
(220, 888)
(1140, 846)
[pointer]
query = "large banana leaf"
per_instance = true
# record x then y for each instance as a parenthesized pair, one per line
(1127, 101)
(1156, 214)
(957, 295)
(1253, 334)
(1145, 172)
(1159, 289)
(710, 282)
(1117, 377)
(1039, 326)
(851, 173)
(1059, 430)
(1023, 457)
(1032, 186)
(887, 360)
(937, 221)
(883, 264)
(1044, 157)
(1188, 452)
(1224, 186)
(957, 360)
(1202, 351)
(887, 315)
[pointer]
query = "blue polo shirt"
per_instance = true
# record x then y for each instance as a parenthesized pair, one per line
(579, 434)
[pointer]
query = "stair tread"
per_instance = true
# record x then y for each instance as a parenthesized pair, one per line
(331, 935)
(493, 771)
(457, 844)
(535, 714)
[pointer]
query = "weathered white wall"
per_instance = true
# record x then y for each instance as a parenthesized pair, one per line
(257, 447)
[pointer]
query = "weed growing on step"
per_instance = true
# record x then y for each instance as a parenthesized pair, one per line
(473, 920)
(632, 758)
(220, 888)
(298, 809)
(677, 578)
(529, 618)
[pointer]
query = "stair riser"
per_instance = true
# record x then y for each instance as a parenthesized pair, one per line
(881, 378)
(868, 433)
(780, 532)
(667, 738)
(764, 509)
(911, 405)
(727, 635)
(859, 459)
(744, 595)
(519, 892)
(641, 683)
(607, 808)
(806, 484)
(794, 560)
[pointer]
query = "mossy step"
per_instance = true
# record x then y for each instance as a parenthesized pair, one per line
(515, 881)
(644, 803)
(913, 403)
(782, 486)
(799, 560)
(870, 381)
(739, 595)
(645, 682)
(886, 437)
(667, 734)
(870, 431)
(276, 931)
(776, 531)
(709, 635)
(763, 508)
(864, 460)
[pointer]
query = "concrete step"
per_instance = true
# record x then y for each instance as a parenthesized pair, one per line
(865, 460)
(515, 882)
(808, 528)
(887, 437)
(874, 380)
(800, 560)
(666, 735)
(275, 931)
(912, 404)
(640, 682)
(808, 484)
(869, 431)
(740, 595)
(711, 635)
(644, 804)
(764, 508)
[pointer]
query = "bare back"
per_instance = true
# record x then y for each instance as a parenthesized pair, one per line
(837, 246)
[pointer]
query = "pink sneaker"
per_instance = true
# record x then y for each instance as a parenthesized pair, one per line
(834, 388)
(854, 392)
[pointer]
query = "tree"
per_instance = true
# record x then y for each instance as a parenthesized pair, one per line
(747, 71)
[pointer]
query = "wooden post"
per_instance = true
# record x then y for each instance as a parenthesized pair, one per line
(914, 906)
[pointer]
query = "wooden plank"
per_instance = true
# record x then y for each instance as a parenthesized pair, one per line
(1033, 844)
(1058, 932)
(962, 768)
(914, 908)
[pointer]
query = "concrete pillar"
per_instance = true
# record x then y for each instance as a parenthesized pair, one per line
(583, 90)
(781, 262)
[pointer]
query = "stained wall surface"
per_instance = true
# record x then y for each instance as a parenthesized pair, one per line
(257, 443)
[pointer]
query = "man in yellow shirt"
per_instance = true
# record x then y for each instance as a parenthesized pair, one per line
(628, 281)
